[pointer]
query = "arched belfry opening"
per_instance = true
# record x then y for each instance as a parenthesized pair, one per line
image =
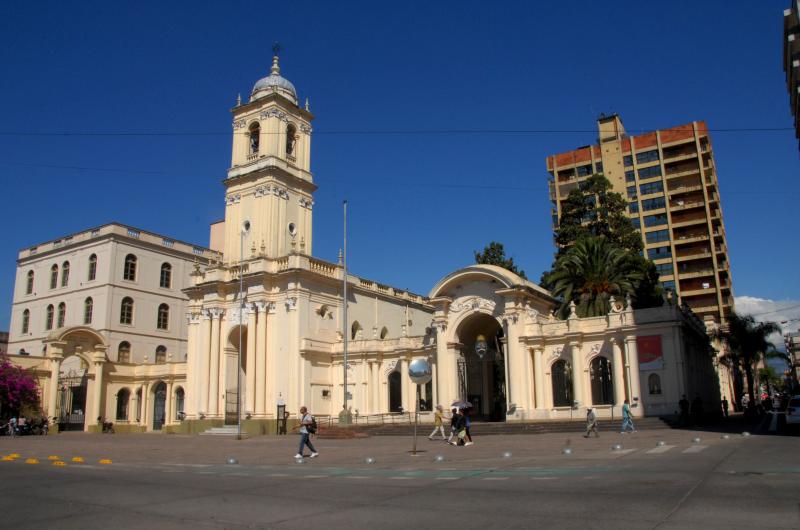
(482, 367)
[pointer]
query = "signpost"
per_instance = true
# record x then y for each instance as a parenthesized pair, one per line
(419, 371)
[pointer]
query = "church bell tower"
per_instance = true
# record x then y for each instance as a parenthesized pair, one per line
(269, 184)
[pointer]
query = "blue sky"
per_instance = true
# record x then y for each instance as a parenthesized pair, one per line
(420, 203)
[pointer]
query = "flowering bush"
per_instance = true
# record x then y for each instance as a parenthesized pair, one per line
(18, 388)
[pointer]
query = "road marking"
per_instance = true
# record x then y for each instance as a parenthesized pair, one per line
(356, 476)
(695, 449)
(446, 478)
(495, 478)
(401, 478)
(660, 449)
(316, 476)
(278, 474)
(622, 451)
(548, 478)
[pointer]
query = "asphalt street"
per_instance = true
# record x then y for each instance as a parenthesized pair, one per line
(615, 481)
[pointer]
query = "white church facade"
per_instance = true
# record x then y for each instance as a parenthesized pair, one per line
(260, 301)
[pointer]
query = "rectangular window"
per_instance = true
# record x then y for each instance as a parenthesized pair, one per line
(633, 207)
(584, 171)
(646, 156)
(665, 269)
(670, 284)
(660, 252)
(598, 167)
(651, 187)
(630, 176)
(653, 204)
(627, 160)
(631, 192)
(655, 220)
(650, 172)
(636, 222)
(658, 236)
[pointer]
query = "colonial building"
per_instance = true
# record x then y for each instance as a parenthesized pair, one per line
(265, 323)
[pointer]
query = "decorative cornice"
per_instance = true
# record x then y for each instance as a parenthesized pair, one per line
(473, 304)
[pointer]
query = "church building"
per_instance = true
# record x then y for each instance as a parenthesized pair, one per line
(265, 324)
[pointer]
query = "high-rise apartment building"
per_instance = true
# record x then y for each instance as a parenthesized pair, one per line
(669, 179)
(791, 59)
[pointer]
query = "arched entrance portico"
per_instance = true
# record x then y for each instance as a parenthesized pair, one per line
(482, 367)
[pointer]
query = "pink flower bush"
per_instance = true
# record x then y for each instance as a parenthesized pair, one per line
(18, 387)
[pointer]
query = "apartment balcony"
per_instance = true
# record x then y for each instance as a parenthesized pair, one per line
(690, 239)
(700, 220)
(700, 254)
(699, 273)
(685, 189)
(678, 157)
(683, 173)
(705, 308)
(721, 248)
(699, 290)
(676, 206)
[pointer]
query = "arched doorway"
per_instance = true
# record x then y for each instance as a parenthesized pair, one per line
(72, 385)
(395, 392)
(159, 405)
(602, 385)
(235, 385)
(481, 369)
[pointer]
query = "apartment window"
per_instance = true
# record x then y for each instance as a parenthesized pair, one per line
(630, 176)
(655, 220)
(62, 314)
(665, 269)
(627, 160)
(598, 167)
(124, 352)
(646, 156)
(650, 172)
(48, 318)
(658, 236)
(129, 273)
(584, 171)
(166, 276)
(88, 308)
(163, 317)
(653, 204)
(631, 192)
(636, 222)
(670, 284)
(161, 355)
(633, 207)
(26, 321)
(659, 253)
(126, 311)
(54, 276)
(65, 274)
(92, 267)
(651, 187)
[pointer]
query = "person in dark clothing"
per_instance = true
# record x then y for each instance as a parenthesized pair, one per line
(683, 404)
(724, 406)
(453, 422)
(460, 428)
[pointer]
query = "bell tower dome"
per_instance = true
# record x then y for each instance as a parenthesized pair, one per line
(270, 183)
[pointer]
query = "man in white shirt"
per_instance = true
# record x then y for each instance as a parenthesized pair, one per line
(306, 420)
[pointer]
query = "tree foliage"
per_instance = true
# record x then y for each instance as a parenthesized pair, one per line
(495, 254)
(18, 388)
(594, 213)
(747, 342)
(590, 273)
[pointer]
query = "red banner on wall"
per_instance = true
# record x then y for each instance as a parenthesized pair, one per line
(651, 357)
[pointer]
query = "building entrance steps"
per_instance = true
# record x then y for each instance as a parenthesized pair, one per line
(228, 430)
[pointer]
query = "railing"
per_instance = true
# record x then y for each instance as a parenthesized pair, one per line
(252, 156)
(321, 267)
(283, 264)
(372, 419)
(686, 205)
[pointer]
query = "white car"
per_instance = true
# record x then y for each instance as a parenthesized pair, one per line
(793, 411)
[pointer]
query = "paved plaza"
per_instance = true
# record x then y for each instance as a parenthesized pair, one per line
(657, 479)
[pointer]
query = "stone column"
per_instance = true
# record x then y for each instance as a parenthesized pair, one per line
(517, 367)
(434, 384)
(214, 360)
(55, 370)
(143, 421)
(203, 375)
(99, 361)
(633, 366)
(405, 385)
(250, 363)
(261, 359)
(619, 372)
(538, 376)
(192, 362)
(169, 414)
(447, 369)
(577, 372)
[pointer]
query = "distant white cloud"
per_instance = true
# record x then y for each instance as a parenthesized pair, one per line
(786, 313)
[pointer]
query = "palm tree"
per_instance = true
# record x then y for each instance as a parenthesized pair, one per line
(589, 273)
(747, 343)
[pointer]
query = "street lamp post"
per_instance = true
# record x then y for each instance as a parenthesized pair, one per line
(244, 232)
(344, 415)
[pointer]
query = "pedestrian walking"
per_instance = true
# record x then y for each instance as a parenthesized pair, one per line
(453, 422)
(459, 428)
(591, 423)
(308, 426)
(725, 406)
(468, 436)
(438, 423)
(627, 419)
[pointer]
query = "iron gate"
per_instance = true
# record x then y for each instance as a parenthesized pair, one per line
(72, 401)
(159, 405)
(231, 408)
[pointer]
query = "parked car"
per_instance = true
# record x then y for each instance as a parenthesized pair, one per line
(793, 411)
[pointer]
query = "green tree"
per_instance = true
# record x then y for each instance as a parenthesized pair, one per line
(747, 342)
(495, 254)
(589, 273)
